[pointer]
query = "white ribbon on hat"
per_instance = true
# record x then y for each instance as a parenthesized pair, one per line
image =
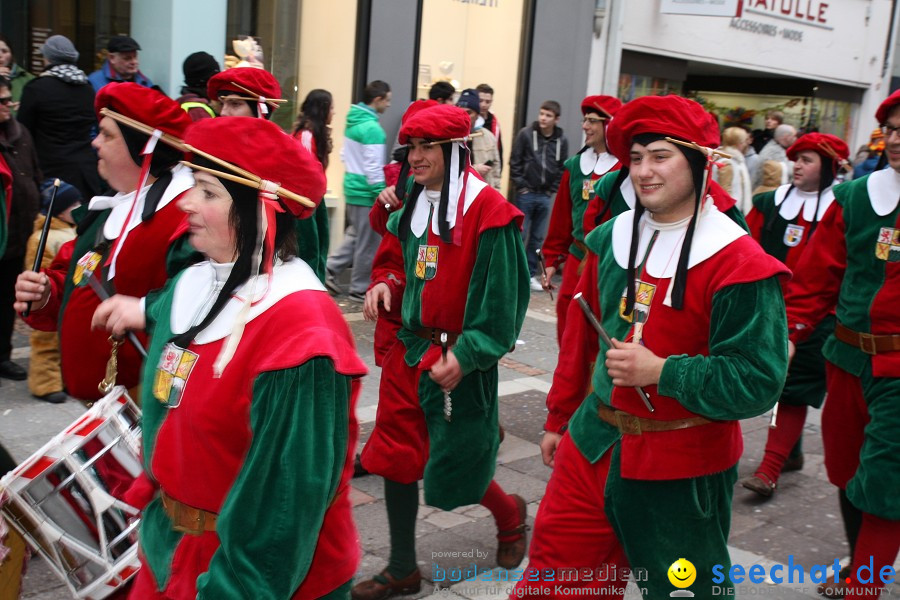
(149, 147)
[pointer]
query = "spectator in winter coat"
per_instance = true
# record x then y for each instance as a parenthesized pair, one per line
(58, 110)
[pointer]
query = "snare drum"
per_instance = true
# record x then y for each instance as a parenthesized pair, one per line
(65, 499)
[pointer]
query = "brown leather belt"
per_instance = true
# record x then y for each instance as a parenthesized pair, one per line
(868, 343)
(628, 424)
(186, 518)
(583, 261)
(433, 335)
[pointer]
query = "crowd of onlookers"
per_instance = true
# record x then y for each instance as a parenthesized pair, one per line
(47, 125)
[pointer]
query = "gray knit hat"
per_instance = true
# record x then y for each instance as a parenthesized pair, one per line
(58, 49)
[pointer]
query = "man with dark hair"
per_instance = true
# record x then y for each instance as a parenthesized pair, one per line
(441, 92)
(454, 254)
(683, 292)
(850, 269)
(491, 122)
(485, 157)
(783, 221)
(536, 167)
(364, 160)
(565, 237)
(121, 64)
(761, 137)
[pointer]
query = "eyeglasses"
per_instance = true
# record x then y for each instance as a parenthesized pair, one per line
(889, 131)
(6, 100)
(592, 120)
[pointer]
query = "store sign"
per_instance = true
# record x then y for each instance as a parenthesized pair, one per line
(767, 29)
(813, 13)
(491, 3)
(709, 8)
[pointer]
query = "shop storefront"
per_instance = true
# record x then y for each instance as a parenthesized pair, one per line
(821, 63)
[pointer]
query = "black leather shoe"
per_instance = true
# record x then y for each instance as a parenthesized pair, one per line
(53, 397)
(384, 585)
(11, 370)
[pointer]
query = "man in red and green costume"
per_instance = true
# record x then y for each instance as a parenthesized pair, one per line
(687, 291)
(782, 221)
(455, 252)
(852, 268)
(131, 241)
(564, 243)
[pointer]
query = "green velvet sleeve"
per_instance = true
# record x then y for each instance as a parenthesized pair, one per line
(747, 364)
(497, 300)
(270, 522)
(312, 240)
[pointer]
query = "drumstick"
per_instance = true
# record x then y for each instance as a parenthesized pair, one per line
(592, 318)
(104, 295)
(42, 244)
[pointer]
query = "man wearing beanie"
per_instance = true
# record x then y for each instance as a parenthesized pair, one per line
(130, 242)
(44, 376)
(483, 145)
(782, 221)
(455, 254)
(850, 269)
(198, 68)
(684, 292)
(121, 64)
(564, 243)
(58, 110)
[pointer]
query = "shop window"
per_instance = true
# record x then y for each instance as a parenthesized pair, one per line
(635, 86)
(88, 23)
(469, 43)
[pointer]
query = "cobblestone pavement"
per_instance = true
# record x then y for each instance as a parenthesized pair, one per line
(802, 519)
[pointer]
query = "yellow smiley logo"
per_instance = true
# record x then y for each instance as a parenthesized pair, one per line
(682, 573)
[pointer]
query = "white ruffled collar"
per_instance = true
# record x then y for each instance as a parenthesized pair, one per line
(199, 285)
(884, 191)
(713, 232)
(428, 199)
(599, 164)
(791, 204)
(115, 226)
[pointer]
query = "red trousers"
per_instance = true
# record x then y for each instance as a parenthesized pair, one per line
(564, 297)
(572, 533)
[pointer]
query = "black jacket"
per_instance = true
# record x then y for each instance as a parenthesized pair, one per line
(536, 163)
(18, 151)
(60, 116)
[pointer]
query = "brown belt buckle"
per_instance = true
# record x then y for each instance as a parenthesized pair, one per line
(867, 343)
(199, 518)
(628, 424)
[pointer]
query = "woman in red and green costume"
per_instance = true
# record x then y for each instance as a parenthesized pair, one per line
(455, 252)
(698, 308)
(564, 244)
(248, 390)
(782, 221)
(852, 268)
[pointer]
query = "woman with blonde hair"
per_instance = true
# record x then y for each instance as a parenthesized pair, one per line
(733, 175)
